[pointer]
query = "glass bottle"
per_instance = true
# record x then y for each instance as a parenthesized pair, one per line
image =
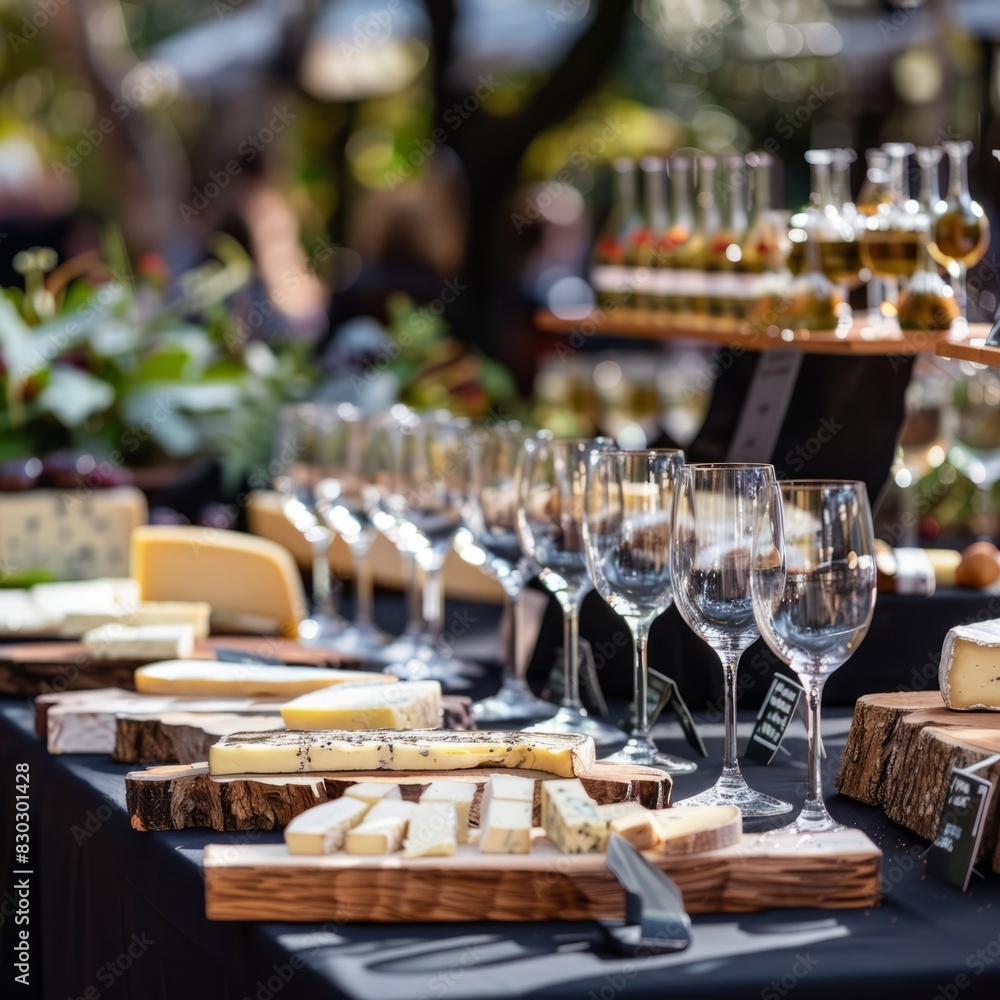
(680, 171)
(725, 249)
(841, 183)
(825, 223)
(692, 255)
(876, 189)
(765, 246)
(609, 274)
(645, 248)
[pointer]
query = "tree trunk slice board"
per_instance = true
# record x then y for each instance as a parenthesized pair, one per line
(33, 668)
(264, 882)
(900, 752)
(152, 729)
(174, 797)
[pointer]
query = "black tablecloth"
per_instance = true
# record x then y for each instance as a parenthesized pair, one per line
(99, 888)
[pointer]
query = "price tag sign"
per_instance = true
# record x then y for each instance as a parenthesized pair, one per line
(960, 829)
(775, 714)
(666, 692)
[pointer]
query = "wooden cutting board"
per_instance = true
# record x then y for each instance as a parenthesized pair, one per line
(180, 796)
(150, 729)
(900, 752)
(264, 882)
(32, 668)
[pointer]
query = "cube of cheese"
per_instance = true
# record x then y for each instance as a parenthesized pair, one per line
(408, 705)
(505, 827)
(140, 642)
(323, 829)
(373, 792)
(631, 821)
(383, 829)
(432, 831)
(460, 794)
(570, 818)
(509, 787)
(969, 674)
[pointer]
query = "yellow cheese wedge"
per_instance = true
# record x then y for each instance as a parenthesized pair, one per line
(323, 828)
(382, 831)
(969, 674)
(693, 829)
(290, 752)
(218, 679)
(631, 821)
(245, 579)
(432, 831)
(411, 705)
(460, 794)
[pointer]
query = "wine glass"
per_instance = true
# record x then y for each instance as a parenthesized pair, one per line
(715, 511)
(488, 539)
(344, 498)
(813, 586)
(550, 487)
(423, 491)
(297, 471)
(628, 508)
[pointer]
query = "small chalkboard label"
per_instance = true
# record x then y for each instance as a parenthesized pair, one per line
(667, 693)
(960, 829)
(775, 714)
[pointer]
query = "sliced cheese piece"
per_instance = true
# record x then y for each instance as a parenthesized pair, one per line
(460, 794)
(140, 642)
(390, 750)
(216, 679)
(109, 595)
(505, 827)
(194, 613)
(570, 818)
(383, 829)
(631, 821)
(373, 792)
(969, 674)
(694, 829)
(323, 828)
(509, 787)
(432, 831)
(236, 574)
(412, 705)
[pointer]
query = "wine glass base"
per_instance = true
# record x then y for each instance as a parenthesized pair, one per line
(813, 823)
(322, 630)
(576, 721)
(514, 701)
(361, 640)
(727, 792)
(398, 650)
(645, 754)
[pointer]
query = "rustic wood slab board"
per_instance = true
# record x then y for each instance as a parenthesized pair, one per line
(151, 729)
(174, 797)
(900, 752)
(264, 882)
(33, 668)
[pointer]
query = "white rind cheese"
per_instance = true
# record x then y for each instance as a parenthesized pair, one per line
(215, 679)
(140, 642)
(295, 752)
(432, 831)
(382, 831)
(409, 705)
(373, 792)
(570, 818)
(969, 674)
(197, 614)
(323, 828)
(505, 827)
(631, 821)
(460, 794)
(693, 829)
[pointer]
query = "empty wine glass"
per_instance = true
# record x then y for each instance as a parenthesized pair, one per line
(551, 479)
(813, 587)
(628, 508)
(715, 512)
(488, 539)
(344, 498)
(297, 471)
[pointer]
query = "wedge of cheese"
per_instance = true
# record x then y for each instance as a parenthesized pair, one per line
(140, 642)
(251, 583)
(217, 679)
(570, 818)
(694, 829)
(432, 831)
(383, 829)
(389, 750)
(460, 794)
(631, 821)
(969, 674)
(505, 827)
(410, 705)
(373, 792)
(323, 828)
(197, 614)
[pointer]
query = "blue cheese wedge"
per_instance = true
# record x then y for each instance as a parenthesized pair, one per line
(505, 827)
(969, 674)
(295, 752)
(570, 818)
(383, 829)
(409, 705)
(323, 828)
(432, 831)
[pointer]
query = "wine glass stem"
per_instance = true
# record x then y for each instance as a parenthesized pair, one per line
(414, 597)
(433, 602)
(571, 655)
(640, 636)
(813, 684)
(515, 666)
(730, 764)
(962, 291)
(324, 598)
(363, 585)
